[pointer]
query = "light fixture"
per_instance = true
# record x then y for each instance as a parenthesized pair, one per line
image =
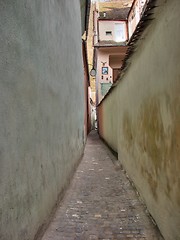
(93, 72)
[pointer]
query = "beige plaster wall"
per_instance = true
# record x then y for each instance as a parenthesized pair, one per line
(41, 109)
(110, 26)
(148, 115)
(107, 118)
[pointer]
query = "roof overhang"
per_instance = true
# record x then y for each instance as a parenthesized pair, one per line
(106, 45)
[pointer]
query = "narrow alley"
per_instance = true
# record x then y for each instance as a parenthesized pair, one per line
(100, 202)
(80, 81)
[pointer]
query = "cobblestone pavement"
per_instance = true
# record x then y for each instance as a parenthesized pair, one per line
(100, 202)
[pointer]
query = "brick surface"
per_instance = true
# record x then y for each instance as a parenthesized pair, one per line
(100, 202)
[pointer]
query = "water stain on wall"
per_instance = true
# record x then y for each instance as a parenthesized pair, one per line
(152, 132)
(156, 132)
(127, 131)
(160, 141)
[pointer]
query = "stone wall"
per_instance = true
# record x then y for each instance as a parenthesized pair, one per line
(41, 109)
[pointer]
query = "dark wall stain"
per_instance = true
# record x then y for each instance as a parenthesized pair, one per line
(152, 132)
(127, 130)
(158, 141)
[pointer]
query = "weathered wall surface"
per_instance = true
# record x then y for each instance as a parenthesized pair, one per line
(148, 115)
(41, 109)
(107, 118)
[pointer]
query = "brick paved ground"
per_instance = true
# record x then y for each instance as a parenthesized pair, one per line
(100, 202)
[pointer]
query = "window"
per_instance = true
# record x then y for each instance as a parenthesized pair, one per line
(108, 33)
(120, 34)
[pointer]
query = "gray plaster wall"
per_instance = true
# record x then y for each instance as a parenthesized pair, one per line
(41, 109)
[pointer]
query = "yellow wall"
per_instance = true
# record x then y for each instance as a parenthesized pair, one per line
(148, 116)
(90, 50)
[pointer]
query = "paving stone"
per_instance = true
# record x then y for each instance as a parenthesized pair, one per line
(100, 202)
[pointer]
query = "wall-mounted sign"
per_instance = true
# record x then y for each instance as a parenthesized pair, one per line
(104, 70)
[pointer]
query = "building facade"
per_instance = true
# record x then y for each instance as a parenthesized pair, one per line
(114, 24)
(110, 40)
